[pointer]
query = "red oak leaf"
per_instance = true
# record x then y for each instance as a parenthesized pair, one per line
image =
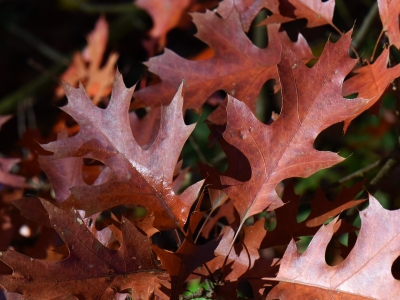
(316, 12)
(86, 67)
(238, 66)
(312, 101)
(166, 14)
(365, 272)
(91, 270)
(389, 12)
(139, 176)
(371, 81)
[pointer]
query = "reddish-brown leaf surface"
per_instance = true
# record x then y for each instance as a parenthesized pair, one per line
(367, 269)
(389, 12)
(91, 270)
(166, 14)
(247, 9)
(238, 66)
(86, 66)
(371, 81)
(312, 101)
(139, 176)
(316, 12)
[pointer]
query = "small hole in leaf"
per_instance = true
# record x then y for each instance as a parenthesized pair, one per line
(351, 96)
(332, 253)
(259, 34)
(268, 104)
(91, 171)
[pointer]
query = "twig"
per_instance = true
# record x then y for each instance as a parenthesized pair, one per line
(356, 174)
(365, 26)
(376, 45)
(178, 238)
(341, 33)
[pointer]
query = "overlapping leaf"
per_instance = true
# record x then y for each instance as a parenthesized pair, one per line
(91, 270)
(365, 272)
(238, 66)
(312, 101)
(371, 81)
(86, 66)
(389, 12)
(140, 176)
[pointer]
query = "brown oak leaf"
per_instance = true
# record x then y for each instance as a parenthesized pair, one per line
(91, 270)
(86, 66)
(312, 101)
(389, 12)
(365, 272)
(238, 66)
(166, 14)
(139, 176)
(316, 12)
(371, 81)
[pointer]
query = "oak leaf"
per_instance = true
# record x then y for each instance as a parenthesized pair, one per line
(371, 81)
(91, 270)
(389, 12)
(316, 12)
(365, 272)
(247, 9)
(312, 101)
(166, 15)
(238, 66)
(86, 66)
(139, 176)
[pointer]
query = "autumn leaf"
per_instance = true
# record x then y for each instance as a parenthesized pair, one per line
(247, 9)
(238, 66)
(389, 12)
(371, 81)
(139, 176)
(166, 14)
(312, 101)
(316, 12)
(91, 270)
(86, 66)
(365, 272)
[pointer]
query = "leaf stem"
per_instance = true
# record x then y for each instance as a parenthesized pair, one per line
(376, 45)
